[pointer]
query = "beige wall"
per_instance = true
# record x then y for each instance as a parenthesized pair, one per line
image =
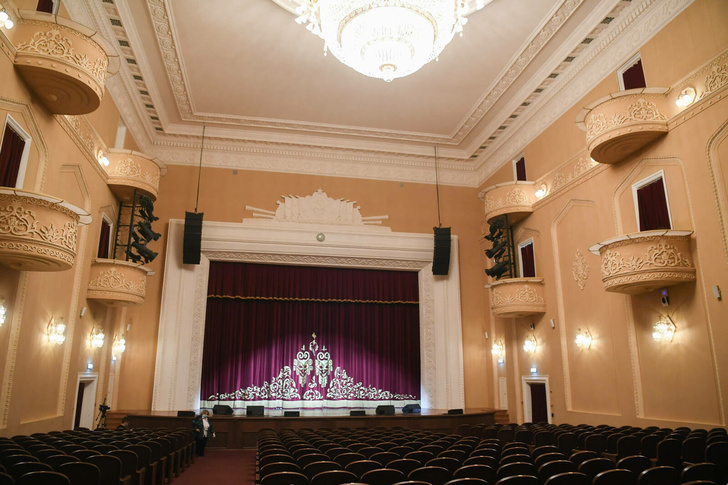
(627, 377)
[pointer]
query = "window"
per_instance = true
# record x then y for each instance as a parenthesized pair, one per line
(105, 238)
(631, 75)
(527, 262)
(14, 150)
(48, 6)
(519, 168)
(651, 206)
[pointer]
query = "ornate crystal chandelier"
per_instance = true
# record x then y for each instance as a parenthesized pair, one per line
(385, 39)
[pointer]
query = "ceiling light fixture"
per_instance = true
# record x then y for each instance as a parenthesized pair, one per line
(5, 20)
(386, 39)
(686, 97)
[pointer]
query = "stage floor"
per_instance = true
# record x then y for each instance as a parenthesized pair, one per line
(240, 431)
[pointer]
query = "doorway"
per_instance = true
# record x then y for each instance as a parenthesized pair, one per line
(536, 399)
(83, 414)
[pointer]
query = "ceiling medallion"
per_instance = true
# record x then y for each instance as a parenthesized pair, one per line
(386, 39)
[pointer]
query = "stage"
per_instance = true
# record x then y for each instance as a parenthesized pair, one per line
(239, 431)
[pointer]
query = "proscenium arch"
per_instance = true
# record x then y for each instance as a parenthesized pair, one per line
(178, 369)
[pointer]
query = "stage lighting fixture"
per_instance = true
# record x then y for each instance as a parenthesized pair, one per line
(498, 270)
(133, 257)
(497, 249)
(146, 231)
(144, 252)
(146, 208)
(495, 228)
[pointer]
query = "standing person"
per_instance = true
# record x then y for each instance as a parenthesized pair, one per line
(202, 429)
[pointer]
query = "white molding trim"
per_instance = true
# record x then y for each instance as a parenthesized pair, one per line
(643, 183)
(523, 244)
(620, 72)
(526, 382)
(178, 367)
(18, 129)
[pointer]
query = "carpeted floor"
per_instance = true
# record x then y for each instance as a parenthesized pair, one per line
(221, 467)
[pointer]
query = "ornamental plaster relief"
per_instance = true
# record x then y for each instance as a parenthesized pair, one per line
(657, 256)
(580, 269)
(639, 110)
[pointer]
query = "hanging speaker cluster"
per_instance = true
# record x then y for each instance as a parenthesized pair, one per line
(192, 242)
(441, 256)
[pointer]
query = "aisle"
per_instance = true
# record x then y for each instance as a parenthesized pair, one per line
(221, 467)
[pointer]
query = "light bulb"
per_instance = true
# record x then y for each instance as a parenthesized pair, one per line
(3, 16)
(9, 24)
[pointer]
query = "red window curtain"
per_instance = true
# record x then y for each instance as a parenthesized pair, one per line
(45, 6)
(104, 240)
(259, 343)
(652, 206)
(521, 169)
(528, 265)
(10, 154)
(634, 77)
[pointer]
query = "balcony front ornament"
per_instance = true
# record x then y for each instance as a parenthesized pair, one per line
(640, 262)
(38, 232)
(117, 283)
(517, 297)
(513, 198)
(129, 170)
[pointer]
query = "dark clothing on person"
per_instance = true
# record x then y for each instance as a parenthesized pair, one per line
(201, 434)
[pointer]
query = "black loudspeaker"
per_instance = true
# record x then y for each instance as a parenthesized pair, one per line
(411, 408)
(185, 414)
(441, 256)
(454, 411)
(291, 414)
(223, 409)
(254, 411)
(192, 242)
(357, 412)
(385, 410)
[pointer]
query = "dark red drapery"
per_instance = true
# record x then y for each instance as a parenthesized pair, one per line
(652, 206)
(528, 265)
(11, 153)
(259, 344)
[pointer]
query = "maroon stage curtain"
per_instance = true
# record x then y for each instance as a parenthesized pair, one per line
(10, 154)
(634, 77)
(652, 206)
(260, 345)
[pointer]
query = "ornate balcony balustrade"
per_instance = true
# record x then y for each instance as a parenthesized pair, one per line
(38, 232)
(621, 123)
(117, 283)
(643, 261)
(129, 170)
(515, 199)
(63, 62)
(517, 297)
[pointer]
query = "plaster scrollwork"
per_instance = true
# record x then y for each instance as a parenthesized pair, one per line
(716, 79)
(515, 196)
(657, 256)
(133, 169)
(18, 221)
(525, 294)
(114, 279)
(580, 269)
(53, 43)
(572, 170)
(317, 208)
(640, 111)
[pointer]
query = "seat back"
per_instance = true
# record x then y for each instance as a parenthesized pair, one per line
(659, 475)
(43, 478)
(618, 476)
(19, 469)
(80, 473)
(109, 468)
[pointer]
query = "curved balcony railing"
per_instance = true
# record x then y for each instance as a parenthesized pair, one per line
(622, 123)
(63, 62)
(38, 232)
(644, 261)
(517, 297)
(515, 199)
(117, 283)
(129, 170)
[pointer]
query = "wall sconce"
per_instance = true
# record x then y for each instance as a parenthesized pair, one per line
(542, 190)
(5, 20)
(686, 97)
(530, 344)
(102, 159)
(664, 329)
(499, 350)
(96, 338)
(583, 339)
(56, 331)
(3, 311)
(119, 346)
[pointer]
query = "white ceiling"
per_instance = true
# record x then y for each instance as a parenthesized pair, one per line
(272, 101)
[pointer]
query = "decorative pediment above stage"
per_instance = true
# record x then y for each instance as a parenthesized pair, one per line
(317, 208)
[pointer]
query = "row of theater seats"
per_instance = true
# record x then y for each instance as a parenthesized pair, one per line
(394, 456)
(98, 457)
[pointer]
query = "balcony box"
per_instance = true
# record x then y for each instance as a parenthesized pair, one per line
(129, 170)
(643, 261)
(38, 232)
(620, 124)
(117, 283)
(517, 297)
(512, 198)
(64, 63)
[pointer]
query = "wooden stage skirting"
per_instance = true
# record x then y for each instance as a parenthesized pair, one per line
(240, 431)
